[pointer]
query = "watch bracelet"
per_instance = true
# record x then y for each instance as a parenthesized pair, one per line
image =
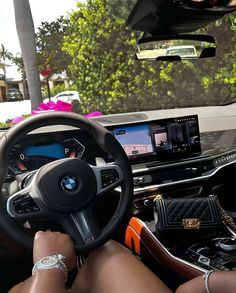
(59, 265)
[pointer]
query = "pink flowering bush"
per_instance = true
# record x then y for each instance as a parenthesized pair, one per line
(93, 114)
(59, 106)
(51, 106)
(17, 119)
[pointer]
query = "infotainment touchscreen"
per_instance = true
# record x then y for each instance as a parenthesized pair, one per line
(136, 140)
(164, 138)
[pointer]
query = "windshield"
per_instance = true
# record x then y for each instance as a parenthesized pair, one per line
(88, 48)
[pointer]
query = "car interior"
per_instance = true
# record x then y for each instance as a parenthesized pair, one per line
(125, 164)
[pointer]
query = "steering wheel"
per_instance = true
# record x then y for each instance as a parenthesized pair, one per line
(66, 190)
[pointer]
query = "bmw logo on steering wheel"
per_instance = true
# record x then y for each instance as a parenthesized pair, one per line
(69, 183)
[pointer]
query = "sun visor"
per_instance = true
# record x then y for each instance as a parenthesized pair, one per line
(172, 16)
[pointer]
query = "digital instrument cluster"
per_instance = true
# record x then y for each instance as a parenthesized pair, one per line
(163, 139)
(31, 157)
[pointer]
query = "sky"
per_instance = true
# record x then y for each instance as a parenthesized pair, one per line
(42, 10)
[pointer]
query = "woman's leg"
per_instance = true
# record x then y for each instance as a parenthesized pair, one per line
(114, 269)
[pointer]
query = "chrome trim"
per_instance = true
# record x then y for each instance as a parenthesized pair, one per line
(143, 169)
(230, 230)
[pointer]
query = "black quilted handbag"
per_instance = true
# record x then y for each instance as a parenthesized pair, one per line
(185, 214)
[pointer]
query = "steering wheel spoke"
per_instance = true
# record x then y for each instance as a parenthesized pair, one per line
(82, 226)
(108, 177)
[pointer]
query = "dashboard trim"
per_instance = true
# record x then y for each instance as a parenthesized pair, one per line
(145, 168)
(154, 187)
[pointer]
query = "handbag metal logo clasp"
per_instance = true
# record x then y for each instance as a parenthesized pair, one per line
(191, 223)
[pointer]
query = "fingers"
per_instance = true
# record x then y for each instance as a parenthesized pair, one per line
(48, 232)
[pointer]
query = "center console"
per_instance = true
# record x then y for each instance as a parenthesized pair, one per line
(212, 254)
(186, 257)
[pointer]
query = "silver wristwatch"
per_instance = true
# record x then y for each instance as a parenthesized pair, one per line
(51, 262)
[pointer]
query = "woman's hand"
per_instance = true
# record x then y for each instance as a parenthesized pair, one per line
(49, 243)
(218, 282)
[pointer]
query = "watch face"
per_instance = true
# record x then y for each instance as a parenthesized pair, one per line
(49, 261)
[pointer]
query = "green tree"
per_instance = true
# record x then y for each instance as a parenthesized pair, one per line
(18, 61)
(109, 79)
(103, 62)
(49, 40)
(5, 55)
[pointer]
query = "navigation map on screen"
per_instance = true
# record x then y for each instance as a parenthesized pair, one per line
(136, 140)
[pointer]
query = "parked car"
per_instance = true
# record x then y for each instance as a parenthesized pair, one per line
(182, 51)
(66, 96)
(14, 95)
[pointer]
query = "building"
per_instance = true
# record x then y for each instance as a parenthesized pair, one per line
(3, 84)
(11, 78)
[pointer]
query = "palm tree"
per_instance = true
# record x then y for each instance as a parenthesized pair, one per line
(18, 61)
(4, 55)
(26, 35)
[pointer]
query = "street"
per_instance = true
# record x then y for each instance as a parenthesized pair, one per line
(14, 109)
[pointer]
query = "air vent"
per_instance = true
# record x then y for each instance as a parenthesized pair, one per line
(225, 160)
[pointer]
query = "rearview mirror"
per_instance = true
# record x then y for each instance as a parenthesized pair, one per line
(175, 47)
(208, 4)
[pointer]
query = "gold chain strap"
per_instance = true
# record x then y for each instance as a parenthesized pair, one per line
(226, 218)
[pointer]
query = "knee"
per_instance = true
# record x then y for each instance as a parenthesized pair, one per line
(16, 288)
(109, 252)
(182, 289)
(108, 249)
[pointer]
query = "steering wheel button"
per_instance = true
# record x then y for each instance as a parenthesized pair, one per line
(18, 200)
(25, 197)
(19, 211)
(35, 208)
(104, 184)
(25, 204)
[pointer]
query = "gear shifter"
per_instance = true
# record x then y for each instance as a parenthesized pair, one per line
(227, 244)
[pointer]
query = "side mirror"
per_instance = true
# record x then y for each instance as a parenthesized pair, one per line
(175, 47)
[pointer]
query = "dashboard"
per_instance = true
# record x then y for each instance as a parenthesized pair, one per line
(167, 155)
(178, 153)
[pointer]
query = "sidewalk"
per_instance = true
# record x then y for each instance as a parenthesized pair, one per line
(9, 110)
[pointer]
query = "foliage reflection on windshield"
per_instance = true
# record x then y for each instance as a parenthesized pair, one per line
(104, 71)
